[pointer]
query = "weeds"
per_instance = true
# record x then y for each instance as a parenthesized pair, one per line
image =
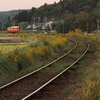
(91, 91)
(29, 55)
(90, 88)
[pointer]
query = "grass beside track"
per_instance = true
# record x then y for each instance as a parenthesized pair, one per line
(24, 60)
(86, 85)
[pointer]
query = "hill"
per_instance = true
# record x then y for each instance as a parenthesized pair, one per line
(82, 14)
(5, 14)
(61, 9)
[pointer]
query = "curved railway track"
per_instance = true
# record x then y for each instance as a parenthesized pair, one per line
(24, 87)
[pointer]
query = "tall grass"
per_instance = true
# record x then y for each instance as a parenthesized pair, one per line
(90, 88)
(6, 66)
(20, 59)
(91, 91)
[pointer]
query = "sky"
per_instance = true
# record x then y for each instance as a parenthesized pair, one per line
(6, 5)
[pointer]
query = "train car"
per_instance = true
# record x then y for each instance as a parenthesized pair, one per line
(13, 29)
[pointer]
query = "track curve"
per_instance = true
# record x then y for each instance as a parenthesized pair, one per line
(6, 89)
(30, 95)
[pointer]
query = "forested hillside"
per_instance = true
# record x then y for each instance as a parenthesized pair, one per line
(81, 14)
(5, 14)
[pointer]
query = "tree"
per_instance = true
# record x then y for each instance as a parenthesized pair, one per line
(1, 27)
(8, 23)
(31, 13)
(58, 10)
(59, 27)
(94, 15)
(22, 16)
(98, 4)
(80, 20)
(69, 22)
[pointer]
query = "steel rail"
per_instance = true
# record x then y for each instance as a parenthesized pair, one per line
(2, 87)
(26, 98)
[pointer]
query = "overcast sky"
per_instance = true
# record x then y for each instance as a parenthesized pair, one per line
(6, 5)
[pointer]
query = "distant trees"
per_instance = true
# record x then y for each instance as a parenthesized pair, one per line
(22, 16)
(58, 10)
(8, 23)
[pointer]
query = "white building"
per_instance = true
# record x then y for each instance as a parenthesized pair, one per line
(42, 26)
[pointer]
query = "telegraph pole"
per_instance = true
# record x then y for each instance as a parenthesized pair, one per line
(86, 21)
(63, 25)
(39, 20)
(32, 19)
(86, 15)
(98, 24)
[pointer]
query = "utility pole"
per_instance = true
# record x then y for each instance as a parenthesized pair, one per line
(1, 27)
(39, 22)
(85, 8)
(63, 25)
(45, 21)
(32, 20)
(86, 15)
(86, 21)
(98, 24)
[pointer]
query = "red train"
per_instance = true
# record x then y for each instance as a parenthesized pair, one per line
(13, 29)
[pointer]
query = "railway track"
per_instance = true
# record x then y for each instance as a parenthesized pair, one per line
(25, 87)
